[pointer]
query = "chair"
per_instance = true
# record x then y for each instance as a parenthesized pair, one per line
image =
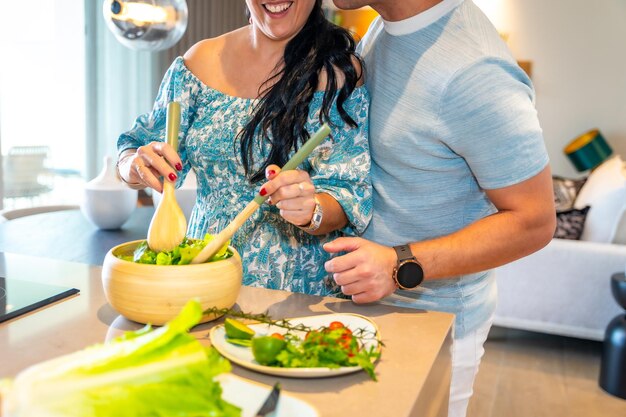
(10, 214)
(25, 171)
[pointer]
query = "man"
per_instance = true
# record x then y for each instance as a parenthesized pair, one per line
(459, 169)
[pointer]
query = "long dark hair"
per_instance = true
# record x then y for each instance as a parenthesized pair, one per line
(283, 108)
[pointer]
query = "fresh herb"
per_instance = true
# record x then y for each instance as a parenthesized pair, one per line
(362, 334)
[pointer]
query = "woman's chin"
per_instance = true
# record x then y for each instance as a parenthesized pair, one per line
(281, 32)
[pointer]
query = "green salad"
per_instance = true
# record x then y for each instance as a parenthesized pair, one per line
(331, 346)
(180, 255)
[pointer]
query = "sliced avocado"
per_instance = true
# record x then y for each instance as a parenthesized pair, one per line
(240, 342)
(237, 330)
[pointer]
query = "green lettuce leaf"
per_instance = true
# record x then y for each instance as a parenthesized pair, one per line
(180, 255)
(151, 372)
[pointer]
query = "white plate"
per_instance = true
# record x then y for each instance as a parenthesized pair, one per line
(249, 396)
(243, 355)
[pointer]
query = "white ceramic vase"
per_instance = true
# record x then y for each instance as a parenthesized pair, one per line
(185, 194)
(107, 202)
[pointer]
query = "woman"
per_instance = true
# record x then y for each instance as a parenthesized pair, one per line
(249, 99)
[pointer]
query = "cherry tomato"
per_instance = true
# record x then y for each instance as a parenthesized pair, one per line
(278, 336)
(336, 325)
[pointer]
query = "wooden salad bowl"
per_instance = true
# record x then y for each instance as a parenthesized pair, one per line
(156, 293)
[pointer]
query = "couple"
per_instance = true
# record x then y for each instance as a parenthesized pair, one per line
(460, 181)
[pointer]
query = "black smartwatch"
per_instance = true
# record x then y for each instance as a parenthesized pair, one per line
(408, 272)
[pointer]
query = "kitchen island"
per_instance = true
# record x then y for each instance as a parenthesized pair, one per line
(413, 371)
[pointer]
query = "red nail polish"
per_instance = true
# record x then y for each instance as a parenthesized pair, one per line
(262, 192)
(172, 176)
(179, 167)
(271, 172)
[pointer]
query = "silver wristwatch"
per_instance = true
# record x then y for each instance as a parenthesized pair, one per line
(316, 220)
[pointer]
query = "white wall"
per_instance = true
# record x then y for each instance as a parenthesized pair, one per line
(578, 51)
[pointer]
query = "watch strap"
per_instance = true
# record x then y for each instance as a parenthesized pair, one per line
(403, 252)
(316, 219)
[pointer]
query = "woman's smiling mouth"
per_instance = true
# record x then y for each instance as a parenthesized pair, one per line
(277, 8)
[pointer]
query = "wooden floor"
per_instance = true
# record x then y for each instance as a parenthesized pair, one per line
(525, 374)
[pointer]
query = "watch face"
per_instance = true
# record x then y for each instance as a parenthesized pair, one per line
(410, 274)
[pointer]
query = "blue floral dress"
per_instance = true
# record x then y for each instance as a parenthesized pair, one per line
(275, 253)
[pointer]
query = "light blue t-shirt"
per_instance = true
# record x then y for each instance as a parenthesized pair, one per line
(451, 115)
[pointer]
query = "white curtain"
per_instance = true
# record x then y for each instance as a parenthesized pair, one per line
(120, 85)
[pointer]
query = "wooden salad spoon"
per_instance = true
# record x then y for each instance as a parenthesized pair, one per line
(222, 237)
(168, 225)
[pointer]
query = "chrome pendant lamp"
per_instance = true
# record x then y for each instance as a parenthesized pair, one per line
(150, 25)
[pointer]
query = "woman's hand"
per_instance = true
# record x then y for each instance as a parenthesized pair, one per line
(147, 164)
(292, 192)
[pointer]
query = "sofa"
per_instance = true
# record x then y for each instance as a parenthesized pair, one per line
(564, 288)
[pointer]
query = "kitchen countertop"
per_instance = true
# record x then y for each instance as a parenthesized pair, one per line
(413, 371)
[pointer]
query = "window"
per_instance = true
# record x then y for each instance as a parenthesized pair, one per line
(42, 102)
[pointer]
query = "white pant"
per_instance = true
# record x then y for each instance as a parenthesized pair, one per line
(466, 355)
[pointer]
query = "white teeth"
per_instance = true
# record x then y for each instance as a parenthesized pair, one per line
(277, 8)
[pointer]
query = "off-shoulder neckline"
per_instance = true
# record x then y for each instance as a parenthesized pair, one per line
(179, 60)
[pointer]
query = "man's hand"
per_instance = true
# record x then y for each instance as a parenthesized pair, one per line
(365, 273)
